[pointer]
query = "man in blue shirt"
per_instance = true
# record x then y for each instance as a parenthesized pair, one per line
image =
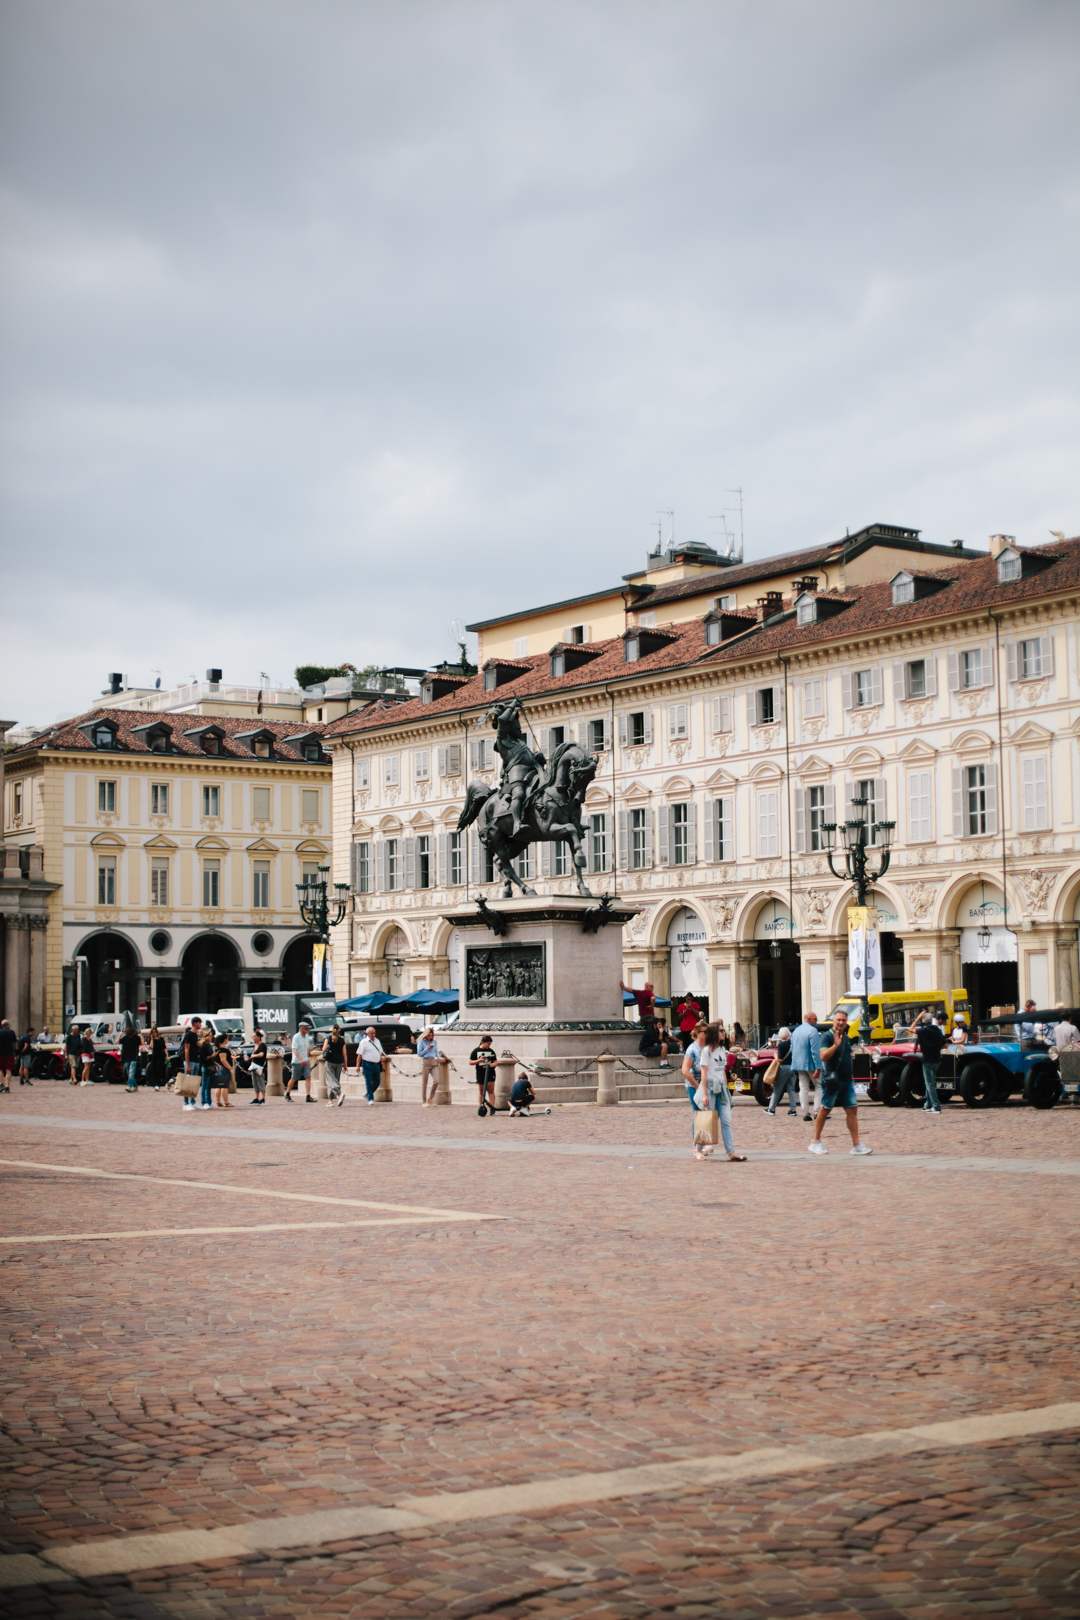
(806, 1059)
(838, 1087)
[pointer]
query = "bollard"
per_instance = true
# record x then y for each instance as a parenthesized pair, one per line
(442, 1097)
(274, 1086)
(504, 1082)
(606, 1090)
(384, 1093)
(318, 1080)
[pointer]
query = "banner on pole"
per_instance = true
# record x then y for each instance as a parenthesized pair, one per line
(322, 967)
(864, 951)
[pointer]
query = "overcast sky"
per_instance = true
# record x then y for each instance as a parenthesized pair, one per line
(326, 323)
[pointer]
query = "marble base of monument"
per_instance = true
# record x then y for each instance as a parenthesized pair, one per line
(546, 987)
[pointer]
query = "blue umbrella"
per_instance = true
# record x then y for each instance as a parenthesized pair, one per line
(629, 1001)
(444, 1000)
(373, 1002)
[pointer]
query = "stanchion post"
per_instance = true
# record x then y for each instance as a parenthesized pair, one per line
(274, 1085)
(384, 1093)
(607, 1091)
(318, 1080)
(442, 1098)
(504, 1082)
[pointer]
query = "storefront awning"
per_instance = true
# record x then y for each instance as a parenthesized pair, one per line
(1001, 947)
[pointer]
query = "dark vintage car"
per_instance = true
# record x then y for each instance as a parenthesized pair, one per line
(997, 1062)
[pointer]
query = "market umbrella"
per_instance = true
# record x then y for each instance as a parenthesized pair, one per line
(435, 1000)
(374, 1001)
(628, 1000)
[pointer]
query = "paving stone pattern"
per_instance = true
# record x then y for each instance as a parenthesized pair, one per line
(627, 1311)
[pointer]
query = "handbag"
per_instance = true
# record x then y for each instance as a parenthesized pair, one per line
(706, 1126)
(769, 1077)
(232, 1081)
(187, 1085)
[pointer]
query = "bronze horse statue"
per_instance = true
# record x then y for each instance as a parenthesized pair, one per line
(536, 801)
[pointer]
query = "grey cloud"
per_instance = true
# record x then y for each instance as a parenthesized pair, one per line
(308, 308)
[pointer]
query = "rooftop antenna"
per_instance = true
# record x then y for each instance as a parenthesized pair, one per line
(663, 512)
(729, 538)
(738, 492)
(157, 683)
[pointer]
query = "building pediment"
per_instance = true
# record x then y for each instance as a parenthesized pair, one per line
(814, 765)
(108, 840)
(637, 791)
(765, 770)
(262, 846)
(721, 780)
(1032, 732)
(678, 784)
(159, 841)
(311, 846)
(917, 749)
(211, 842)
(974, 741)
(864, 758)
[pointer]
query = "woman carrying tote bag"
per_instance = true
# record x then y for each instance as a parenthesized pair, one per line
(714, 1078)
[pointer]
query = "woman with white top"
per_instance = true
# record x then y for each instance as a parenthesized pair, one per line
(713, 1068)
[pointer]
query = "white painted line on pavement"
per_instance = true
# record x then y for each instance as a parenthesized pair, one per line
(253, 1192)
(124, 1554)
(230, 1231)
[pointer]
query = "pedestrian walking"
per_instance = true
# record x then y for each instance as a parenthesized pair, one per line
(8, 1047)
(225, 1071)
(258, 1070)
(482, 1059)
(302, 1042)
(26, 1056)
(207, 1068)
(86, 1054)
(158, 1068)
(785, 1082)
(427, 1050)
(837, 1087)
(806, 1061)
(130, 1042)
(930, 1038)
(73, 1052)
(691, 1069)
(712, 1065)
(334, 1063)
(369, 1056)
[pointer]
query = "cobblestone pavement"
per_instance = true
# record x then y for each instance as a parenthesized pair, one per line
(628, 1310)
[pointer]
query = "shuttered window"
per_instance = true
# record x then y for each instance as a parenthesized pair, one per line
(768, 807)
(361, 867)
(390, 770)
(678, 721)
(920, 808)
(721, 712)
(813, 699)
(975, 800)
(720, 829)
(363, 773)
(448, 760)
(1036, 799)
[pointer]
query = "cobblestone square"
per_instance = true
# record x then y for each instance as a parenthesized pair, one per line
(325, 1317)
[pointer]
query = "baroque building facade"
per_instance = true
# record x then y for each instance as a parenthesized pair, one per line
(948, 697)
(166, 847)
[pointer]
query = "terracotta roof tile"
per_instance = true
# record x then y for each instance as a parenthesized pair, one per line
(66, 733)
(972, 588)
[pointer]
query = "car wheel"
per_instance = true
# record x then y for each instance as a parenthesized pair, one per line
(889, 1084)
(1042, 1086)
(978, 1085)
(912, 1086)
(762, 1091)
(111, 1072)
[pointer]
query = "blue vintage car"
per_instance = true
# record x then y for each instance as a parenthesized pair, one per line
(999, 1061)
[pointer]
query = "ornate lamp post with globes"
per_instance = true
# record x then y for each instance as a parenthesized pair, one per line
(316, 907)
(855, 838)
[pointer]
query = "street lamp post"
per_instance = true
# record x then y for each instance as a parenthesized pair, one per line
(854, 838)
(315, 906)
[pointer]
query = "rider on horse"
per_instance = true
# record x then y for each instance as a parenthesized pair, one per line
(521, 767)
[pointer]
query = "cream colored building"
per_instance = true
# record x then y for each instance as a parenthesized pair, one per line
(171, 845)
(949, 696)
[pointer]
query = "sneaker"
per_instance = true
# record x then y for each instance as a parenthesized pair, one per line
(525, 1111)
(861, 1149)
(253, 1102)
(512, 1109)
(309, 1098)
(935, 1110)
(341, 1099)
(206, 1105)
(818, 1147)
(664, 1065)
(288, 1096)
(371, 1102)
(771, 1112)
(792, 1114)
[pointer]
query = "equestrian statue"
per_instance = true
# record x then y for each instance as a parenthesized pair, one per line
(537, 800)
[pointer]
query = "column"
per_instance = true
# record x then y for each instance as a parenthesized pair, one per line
(36, 969)
(17, 971)
(1065, 966)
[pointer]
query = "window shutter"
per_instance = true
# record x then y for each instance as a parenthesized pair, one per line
(845, 688)
(622, 731)
(648, 725)
(992, 817)
(957, 801)
(442, 864)
(800, 821)
(476, 856)
(691, 834)
(354, 880)
(409, 847)
(881, 812)
(849, 794)
(898, 691)
(623, 834)
(779, 707)
(952, 659)
(564, 634)
(545, 858)
(665, 822)
(988, 664)
(710, 831)
(930, 666)
(440, 761)
(751, 708)
(606, 723)
(876, 694)
(380, 866)
(648, 838)
(583, 735)
(474, 756)
(1046, 644)
(1035, 797)
(363, 776)
(725, 824)
(1011, 669)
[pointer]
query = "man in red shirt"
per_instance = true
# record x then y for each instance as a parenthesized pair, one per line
(645, 998)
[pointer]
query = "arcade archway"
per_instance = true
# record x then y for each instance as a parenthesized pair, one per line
(109, 977)
(210, 975)
(296, 964)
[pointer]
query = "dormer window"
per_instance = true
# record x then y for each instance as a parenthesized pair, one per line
(211, 744)
(156, 735)
(313, 752)
(558, 665)
(903, 589)
(262, 748)
(1009, 565)
(104, 737)
(806, 609)
(712, 632)
(632, 649)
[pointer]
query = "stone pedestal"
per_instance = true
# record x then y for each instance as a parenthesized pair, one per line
(504, 1083)
(607, 1091)
(385, 1092)
(274, 1086)
(547, 986)
(441, 1097)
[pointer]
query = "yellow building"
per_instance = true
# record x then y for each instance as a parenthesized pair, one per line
(173, 843)
(685, 582)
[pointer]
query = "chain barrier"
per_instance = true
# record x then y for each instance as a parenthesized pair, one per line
(673, 1068)
(555, 1074)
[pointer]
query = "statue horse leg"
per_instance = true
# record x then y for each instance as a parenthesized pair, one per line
(567, 833)
(500, 851)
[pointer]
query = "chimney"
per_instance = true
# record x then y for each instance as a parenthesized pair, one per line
(214, 677)
(998, 542)
(807, 583)
(116, 684)
(771, 603)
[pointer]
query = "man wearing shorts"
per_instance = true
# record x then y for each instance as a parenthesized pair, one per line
(837, 1087)
(26, 1056)
(301, 1060)
(482, 1059)
(73, 1049)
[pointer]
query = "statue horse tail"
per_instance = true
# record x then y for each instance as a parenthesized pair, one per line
(475, 800)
